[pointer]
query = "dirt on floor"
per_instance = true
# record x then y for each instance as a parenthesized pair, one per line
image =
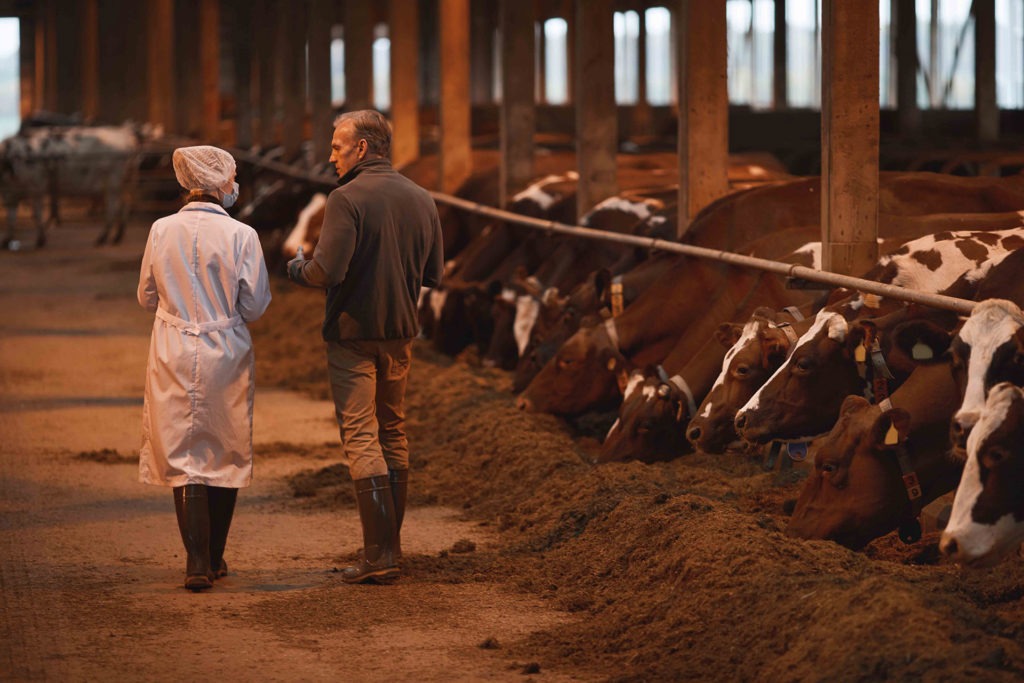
(522, 558)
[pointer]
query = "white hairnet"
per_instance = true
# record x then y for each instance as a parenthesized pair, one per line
(202, 167)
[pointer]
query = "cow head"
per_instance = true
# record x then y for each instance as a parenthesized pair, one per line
(988, 350)
(855, 493)
(756, 350)
(555, 319)
(987, 522)
(801, 399)
(582, 375)
(653, 411)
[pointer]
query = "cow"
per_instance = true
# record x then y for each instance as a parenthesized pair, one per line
(78, 161)
(801, 399)
(879, 464)
(987, 521)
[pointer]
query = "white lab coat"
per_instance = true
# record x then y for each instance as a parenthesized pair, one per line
(203, 275)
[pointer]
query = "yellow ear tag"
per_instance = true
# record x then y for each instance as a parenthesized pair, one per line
(892, 437)
(611, 363)
(922, 352)
(860, 354)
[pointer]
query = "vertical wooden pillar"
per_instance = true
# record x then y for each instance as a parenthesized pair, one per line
(321, 18)
(849, 138)
(292, 22)
(242, 58)
(541, 94)
(908, 112)
(90, 27)
(188, 92)
(46, 56)
(482, 51)
(780, 50)
(267, 55)
(160, 61)
(642, 110)
(68, 55)
(986, 108)
(27, 66)
(597, 134)
(209, 69)
(358, 55)
(703, 107)
(405, 108)
(572, 52)
(456, 151)
(518, 111)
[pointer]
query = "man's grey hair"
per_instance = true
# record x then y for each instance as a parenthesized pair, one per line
(370, 125)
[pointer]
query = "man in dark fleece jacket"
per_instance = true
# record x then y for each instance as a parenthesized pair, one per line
(380, 243)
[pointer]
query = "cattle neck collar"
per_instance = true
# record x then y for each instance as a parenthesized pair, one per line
(375, 164)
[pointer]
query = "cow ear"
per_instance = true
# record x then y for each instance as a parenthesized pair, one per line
(623, 371)
(891, 428)
(922, 341)
(856, 335)
(773, 351)
(728, 334)
(853, 403)
(1018, 337)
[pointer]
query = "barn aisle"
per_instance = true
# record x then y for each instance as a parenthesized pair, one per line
(90, 560)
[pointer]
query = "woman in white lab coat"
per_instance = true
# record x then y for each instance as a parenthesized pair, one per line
(204, 276)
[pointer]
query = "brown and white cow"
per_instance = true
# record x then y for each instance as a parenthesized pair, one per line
(801, 399)
(83, 161)
(879, 465)
(987, 522)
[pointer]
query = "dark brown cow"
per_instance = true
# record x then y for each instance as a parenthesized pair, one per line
(878, 465)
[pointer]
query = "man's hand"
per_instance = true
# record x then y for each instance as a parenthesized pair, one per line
(295, 270)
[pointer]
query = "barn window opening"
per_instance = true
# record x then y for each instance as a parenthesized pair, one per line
(803, 55)
(1010, 53)
(556, 63)
(337, 66)
(660, 72)
(627, 42)
(381, 68)
(751, 32)
(10, 82)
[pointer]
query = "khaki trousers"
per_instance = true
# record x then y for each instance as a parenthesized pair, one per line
(368, 380)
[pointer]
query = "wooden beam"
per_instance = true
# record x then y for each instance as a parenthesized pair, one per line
(597, 122)
(242, 59)
(188, 94)
(321, 18)
(455, 144)
(267, 53)
(292, 22)
(358, 56)
(703, 107)
(909, 114)
(27, 66)
(849, 138)
(160, 63)
(483, 18)
(780, 49)
(405, 108)
(517, 123)
(90, 27)
(986, 107)
(209, 69)
(50, 62)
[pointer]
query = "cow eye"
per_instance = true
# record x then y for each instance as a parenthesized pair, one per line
(805, 364)
(995, 455)
(742, 370)
(829, 467)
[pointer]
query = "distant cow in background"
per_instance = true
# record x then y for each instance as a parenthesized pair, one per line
(99, 162)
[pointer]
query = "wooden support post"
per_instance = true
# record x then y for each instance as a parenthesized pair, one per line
(267, 57)
(358, 55)
(849, 138)
(703, 107)
(641, 110)
(50, 63)
(160, 61)
(597, 122)
(293, 77)
(455, 144)
(27, 66)
(906, 67)
(405, 108)
(209, 70)
(242, 58)
(188, 93)
(780, 49)
(518, 111)
(986, 108)
(90, 27)
(321, 18)
(482, 15)
(541, 68)
(68, 55)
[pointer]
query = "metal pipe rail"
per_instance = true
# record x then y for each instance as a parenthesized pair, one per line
(961, 306)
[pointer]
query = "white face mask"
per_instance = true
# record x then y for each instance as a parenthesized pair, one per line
(229, 199)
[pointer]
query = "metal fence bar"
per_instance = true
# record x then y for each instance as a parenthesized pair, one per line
(961, 306)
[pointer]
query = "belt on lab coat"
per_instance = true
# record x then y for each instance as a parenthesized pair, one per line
(197, 329)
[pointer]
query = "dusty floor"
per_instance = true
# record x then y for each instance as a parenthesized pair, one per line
(521, 557)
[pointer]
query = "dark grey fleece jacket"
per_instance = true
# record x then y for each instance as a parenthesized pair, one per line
(380, 242)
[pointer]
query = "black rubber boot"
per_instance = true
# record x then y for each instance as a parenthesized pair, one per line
(222, 508)
(377, 515)
(399, 491)
(193, 509)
